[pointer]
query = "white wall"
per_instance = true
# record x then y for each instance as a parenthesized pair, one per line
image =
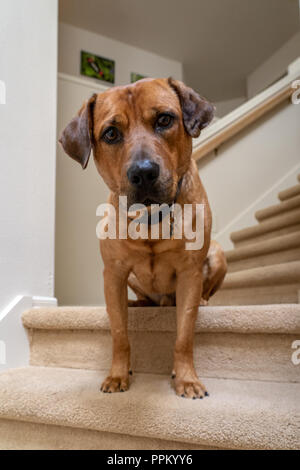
(28, 58)
(78, 264)
(273, 68)
(127, 58)
(225, 107)
(248, 170)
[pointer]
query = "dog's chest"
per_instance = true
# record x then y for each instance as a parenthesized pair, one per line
(156, 273)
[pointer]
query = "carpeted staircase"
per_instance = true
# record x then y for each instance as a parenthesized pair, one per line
(243, 353)
(264, 266)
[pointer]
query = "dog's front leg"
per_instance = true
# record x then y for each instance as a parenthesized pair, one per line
(116, 296)
(188, 297)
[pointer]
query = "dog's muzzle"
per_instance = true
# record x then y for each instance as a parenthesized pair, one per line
(143, 174)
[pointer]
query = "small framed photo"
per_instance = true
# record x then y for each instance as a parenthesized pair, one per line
(97, 67)
(134, 77)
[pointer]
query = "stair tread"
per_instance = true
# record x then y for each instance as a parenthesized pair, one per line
(271, 275)
(277, 232)
(237, 414)
(286, 219)
(278, 208)
(256, 294)
(284, 242)
(290, 192)
(281, 318)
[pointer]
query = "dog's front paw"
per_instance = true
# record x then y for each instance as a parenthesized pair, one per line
(190, 388)
(115, 384)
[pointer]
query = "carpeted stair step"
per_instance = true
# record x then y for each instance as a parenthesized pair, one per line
(268, 235)
(277, 250)
(278, 284)
(247, 342)
(285, 273)
(237, 414)
(21, 435)
(267, 227)
(276, 218)
(289, 193)
(264, 295)
(276, 209)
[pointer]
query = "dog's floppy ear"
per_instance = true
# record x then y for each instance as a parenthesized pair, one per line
(197, 112)
(76, 139)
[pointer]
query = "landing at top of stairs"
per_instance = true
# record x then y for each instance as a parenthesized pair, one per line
(237, 414)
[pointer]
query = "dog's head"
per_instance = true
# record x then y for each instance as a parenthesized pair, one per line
(141, 136)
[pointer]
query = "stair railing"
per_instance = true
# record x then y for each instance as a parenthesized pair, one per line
(225, 128)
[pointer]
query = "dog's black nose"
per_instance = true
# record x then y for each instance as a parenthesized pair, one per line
(143, 173)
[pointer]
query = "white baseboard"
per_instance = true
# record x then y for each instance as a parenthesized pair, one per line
(14, 344)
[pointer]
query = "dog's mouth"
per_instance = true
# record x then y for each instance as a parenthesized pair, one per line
(148, 202)
(158, 196)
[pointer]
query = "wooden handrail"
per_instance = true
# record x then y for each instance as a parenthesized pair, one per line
(234, 125)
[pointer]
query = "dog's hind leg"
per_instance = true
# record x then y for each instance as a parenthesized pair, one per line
(214, 271)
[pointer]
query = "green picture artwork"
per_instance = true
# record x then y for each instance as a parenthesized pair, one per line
(134, 77)
(97, 67)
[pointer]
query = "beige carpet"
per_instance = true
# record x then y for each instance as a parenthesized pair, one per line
(22, 435)
(249, 343)
(238, 414)
(264, 266)
(231, 319)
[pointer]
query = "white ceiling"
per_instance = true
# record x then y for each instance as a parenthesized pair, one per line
(219, 42)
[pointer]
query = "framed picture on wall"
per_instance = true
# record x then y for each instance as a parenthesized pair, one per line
(98, 67)
(134, 77)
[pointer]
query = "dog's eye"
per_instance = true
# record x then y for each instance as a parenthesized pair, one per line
(164, 121)
(112, 135)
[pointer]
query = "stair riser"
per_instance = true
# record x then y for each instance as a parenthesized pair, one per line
(279, 294)
(220, 355)
(18, 435)
(264, 260)
(268, 236)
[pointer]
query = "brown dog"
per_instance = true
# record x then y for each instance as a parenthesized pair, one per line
(141, 136)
